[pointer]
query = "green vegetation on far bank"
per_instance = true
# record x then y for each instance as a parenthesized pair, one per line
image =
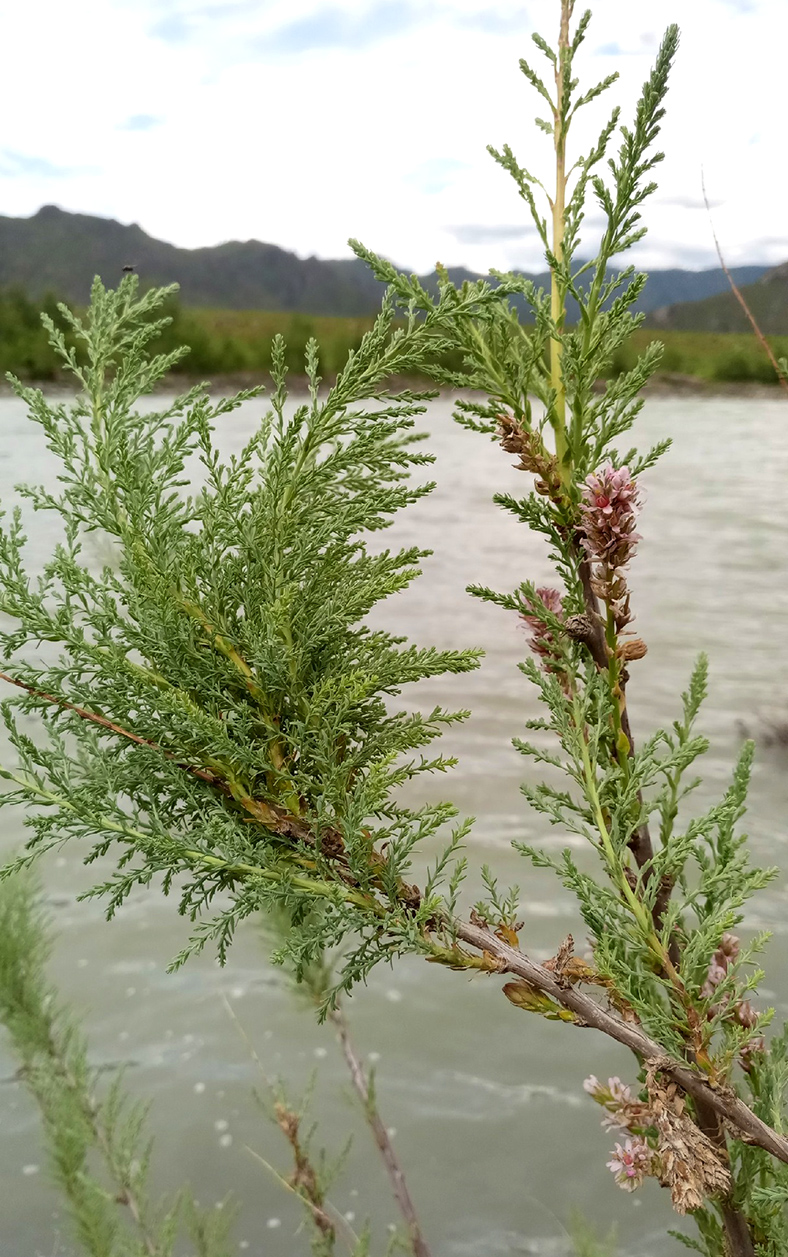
(222, 342)
(244, 337)
(238, 342)
(24, 342)
(718, 357)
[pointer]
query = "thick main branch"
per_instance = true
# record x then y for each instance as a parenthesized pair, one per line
(722, 1100)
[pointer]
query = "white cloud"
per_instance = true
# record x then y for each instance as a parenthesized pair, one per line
(303, 122)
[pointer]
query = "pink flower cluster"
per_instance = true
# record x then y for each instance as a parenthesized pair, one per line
(632, 1163)
(609, 509)
(622, 1110)
(615, 1097)
(635, 1159)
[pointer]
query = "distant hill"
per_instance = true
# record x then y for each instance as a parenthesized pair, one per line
(61, 252)
(767, 298)
(56, 251)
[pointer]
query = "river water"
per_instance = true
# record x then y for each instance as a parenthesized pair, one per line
(487, 1104)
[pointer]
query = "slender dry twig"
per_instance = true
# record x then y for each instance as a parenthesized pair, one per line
(305, 1179)
(102, 721)
(272, 816)
(304, 1182)
(740, 296)
(382, 1138)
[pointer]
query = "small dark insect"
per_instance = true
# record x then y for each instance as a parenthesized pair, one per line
(128, 268)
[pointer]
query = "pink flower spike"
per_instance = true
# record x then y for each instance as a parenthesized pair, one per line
(609, 509)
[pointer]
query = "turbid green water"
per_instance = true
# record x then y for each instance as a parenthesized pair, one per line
(487, 1104)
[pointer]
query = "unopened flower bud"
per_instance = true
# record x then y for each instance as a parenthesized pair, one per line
(579, 628)
(542, 638)
(746, 1014)
(752, 1048)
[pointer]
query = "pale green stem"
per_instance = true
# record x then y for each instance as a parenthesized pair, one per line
(557, 303)
(636, 906)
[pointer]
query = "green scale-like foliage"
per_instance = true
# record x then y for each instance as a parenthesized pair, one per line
(235, 729)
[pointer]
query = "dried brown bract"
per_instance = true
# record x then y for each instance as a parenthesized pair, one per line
(632, 648)
(563, 958)
(690, 1165)
(533, 456)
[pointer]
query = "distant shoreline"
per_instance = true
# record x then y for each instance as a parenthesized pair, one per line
(665, 384)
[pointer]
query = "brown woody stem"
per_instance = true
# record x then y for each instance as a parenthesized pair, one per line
(737, 1231)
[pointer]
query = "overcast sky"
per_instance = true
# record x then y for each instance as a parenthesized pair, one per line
(303, 122)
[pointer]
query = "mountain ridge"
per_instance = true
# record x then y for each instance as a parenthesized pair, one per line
(766, 297)
(55, 250)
